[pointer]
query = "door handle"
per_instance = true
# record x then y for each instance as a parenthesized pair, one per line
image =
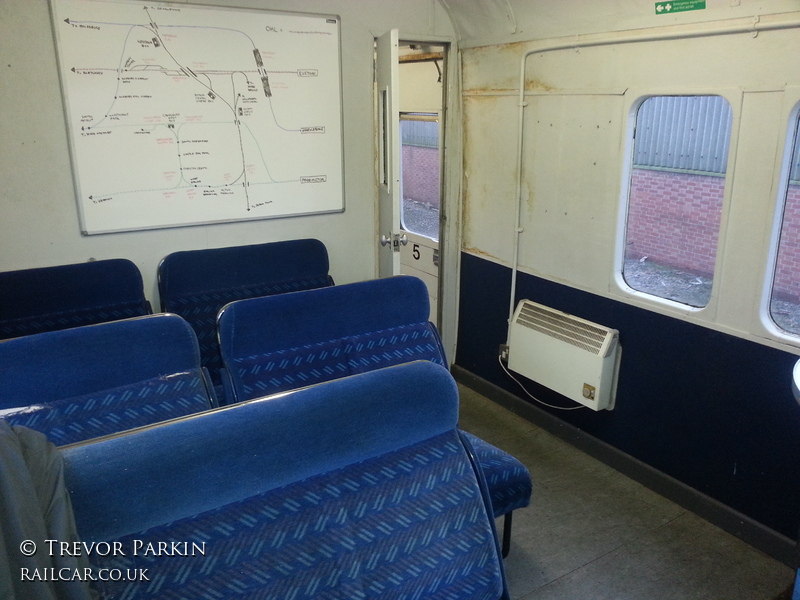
(395, 239)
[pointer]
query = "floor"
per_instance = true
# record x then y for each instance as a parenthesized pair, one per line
(592, 533)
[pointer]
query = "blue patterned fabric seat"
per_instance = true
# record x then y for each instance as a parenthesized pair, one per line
(322, 494)
(507, 479)
(108, 411)
(272, 372)
(270, 345)
(99, 379)
(196, 284)
(54, 298)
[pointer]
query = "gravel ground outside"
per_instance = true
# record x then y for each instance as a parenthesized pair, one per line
(421, 218)
(786, 315)
(663, 281)
(694, 289)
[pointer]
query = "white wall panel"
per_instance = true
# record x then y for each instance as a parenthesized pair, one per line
(574, 143)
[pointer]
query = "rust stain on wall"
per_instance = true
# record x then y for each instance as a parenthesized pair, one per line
(535, 85)
(479, 252)
(502, 54)
(488, 90)
(515, 48)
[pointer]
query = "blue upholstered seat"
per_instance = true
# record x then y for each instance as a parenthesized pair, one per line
(195, 284)
(507, 479)
(90, 381)
(269, 345)
(321, 493)
(64, 296)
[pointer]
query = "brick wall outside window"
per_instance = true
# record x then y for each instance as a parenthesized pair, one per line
(421, 174)
(787, 271)
(673, 219)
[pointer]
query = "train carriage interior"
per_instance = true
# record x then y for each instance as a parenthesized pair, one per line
(400, 299)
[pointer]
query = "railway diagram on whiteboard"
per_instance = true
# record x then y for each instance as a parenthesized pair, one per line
(183, 114)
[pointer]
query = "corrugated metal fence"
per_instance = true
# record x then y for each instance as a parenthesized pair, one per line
(419, 133)
(689, 133)
(686, 133)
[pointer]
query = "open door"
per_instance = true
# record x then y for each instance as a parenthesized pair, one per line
(387, 78)
(420, 199)
(413, 81)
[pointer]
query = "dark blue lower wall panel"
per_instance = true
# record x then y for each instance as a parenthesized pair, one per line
(714, 411)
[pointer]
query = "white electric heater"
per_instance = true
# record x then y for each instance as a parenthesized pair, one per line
(574, 357)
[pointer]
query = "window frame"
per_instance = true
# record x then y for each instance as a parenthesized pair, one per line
(792, 127)
(619, 285)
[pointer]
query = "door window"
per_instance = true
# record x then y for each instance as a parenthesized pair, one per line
(419, 168)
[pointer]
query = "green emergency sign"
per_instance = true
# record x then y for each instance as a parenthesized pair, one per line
(665, 8)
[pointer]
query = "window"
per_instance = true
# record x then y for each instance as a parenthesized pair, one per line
(676, 187)
(784, 306)
(419, 167)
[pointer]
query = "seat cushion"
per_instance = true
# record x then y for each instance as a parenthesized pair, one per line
(80, 418)
(67, 319)
(507, 479)
(274, 372)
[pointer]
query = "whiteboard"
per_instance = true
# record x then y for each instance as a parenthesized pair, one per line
(180, 114)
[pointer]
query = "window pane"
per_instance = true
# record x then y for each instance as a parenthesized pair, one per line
(785, 298)
(680, 156)
(419, 202)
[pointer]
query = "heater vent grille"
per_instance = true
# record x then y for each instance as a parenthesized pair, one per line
(577, 332)
(569, 355)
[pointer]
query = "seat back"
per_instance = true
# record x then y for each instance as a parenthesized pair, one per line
(269, 345)
(320, 493)
(90, 381)
(196, 284)
(54, 298)
(284, 342)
